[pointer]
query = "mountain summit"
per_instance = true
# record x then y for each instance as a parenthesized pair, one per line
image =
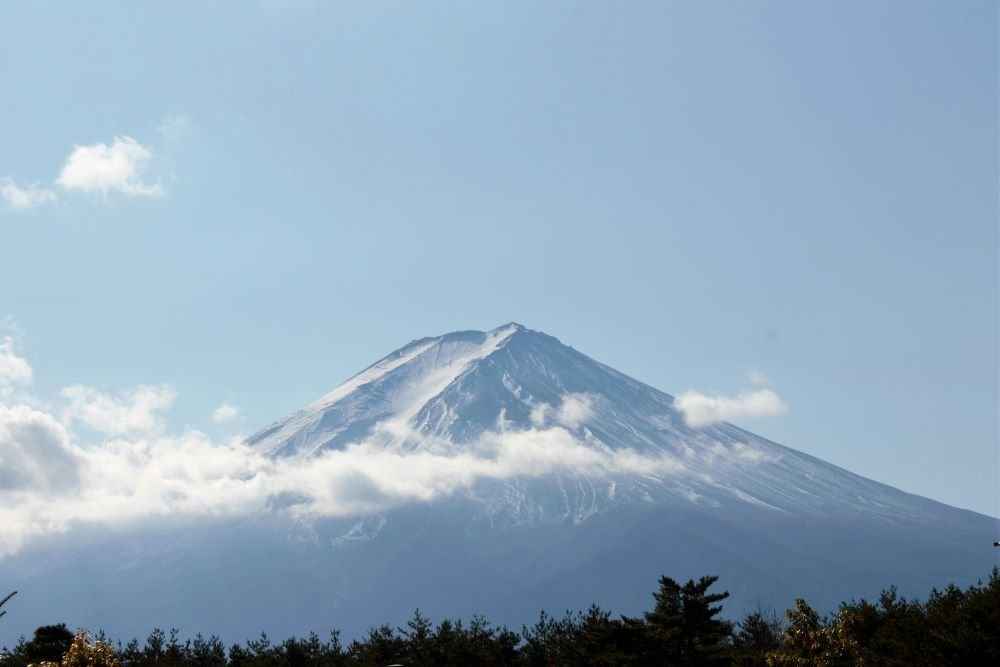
(452, 391)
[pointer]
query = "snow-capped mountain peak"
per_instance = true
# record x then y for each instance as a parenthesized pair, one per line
(396, 386)
(457, 390)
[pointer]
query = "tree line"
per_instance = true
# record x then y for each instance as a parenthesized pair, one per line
(953, 626)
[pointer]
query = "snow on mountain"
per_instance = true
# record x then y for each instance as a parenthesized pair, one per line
(397, 387)
(449, 391)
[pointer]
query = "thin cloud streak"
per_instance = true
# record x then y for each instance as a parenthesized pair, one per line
(23, 198)
(14, 370)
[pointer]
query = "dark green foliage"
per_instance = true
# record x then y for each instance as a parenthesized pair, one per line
(757, 635)
(49, 643)
(682, 628)
(954, 627)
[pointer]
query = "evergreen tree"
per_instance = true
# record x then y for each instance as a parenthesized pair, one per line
(381, 647)
(954, 627)
(155, 647)
(206, 652)
(758, 634)
(417, 639)
(602, 640)
(682, 628)
(550, 641)
(49, 644)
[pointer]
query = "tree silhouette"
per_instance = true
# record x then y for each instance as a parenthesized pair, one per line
(683, 629)
(49, 644)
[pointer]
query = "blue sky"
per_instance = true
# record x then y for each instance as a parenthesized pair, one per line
(688, 192)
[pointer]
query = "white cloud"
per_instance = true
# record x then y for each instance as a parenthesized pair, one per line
(702, 410)
(173, 127)
(115, 169)
(14, 370)
(226, 412)
(23, 198)
(138, 473)
(573, 410)
(133, 412)
(35, 452)
(124, 469)
(141, 479)
(757, 378)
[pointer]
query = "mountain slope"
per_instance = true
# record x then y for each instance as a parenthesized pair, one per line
(663, 498)
(451, 390)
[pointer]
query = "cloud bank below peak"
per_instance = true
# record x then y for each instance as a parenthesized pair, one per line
(124, 469)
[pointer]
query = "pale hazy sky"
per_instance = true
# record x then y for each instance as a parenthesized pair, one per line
(250, 202)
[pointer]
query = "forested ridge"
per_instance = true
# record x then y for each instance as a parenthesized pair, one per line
(952, 627)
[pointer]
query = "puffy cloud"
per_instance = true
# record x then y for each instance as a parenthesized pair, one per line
(573, 410)
(35, 453)
(14, 370)
(702, 410)
(115, 169)
(133, 412)
(226, 412)
(22, 198)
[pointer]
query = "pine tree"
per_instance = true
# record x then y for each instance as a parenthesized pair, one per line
(758, 634)
(682, 628)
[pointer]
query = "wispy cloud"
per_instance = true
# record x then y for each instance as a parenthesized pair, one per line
(118, 169)
(134, 412)
(702, 409)
(572, 411)
(173, 127)
(757, 378)
(226, 412)
(106, 170)
(22, 198)
(14, 370)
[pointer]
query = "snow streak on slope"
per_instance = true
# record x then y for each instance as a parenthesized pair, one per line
(395, 387)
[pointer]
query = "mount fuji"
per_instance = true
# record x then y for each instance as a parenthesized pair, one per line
(578, 484)
(447, 393)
